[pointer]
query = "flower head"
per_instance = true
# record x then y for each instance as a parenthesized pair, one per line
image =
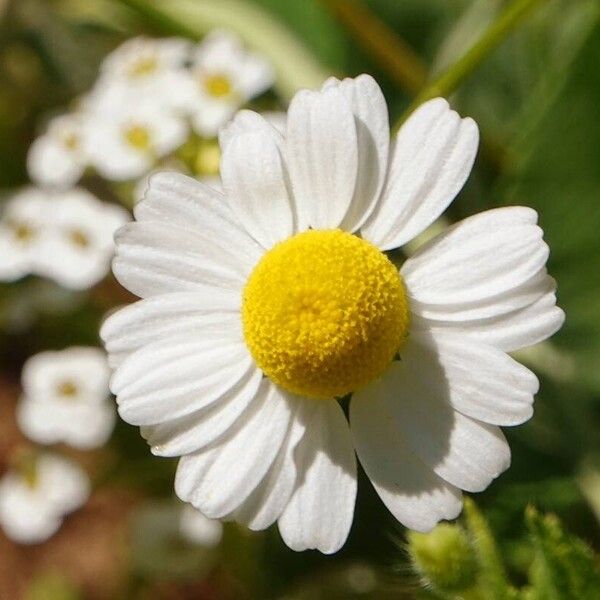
(263, 304)
(35, 498)
(57, 158)
(65, 398)
(226, 77)
(66, 235)
(126, 144)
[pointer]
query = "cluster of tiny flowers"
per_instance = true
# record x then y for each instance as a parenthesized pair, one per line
(65, 399)
(148, 95)
(64, 235)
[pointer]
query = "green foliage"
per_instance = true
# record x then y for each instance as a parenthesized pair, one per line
(52, 585)
(444, 558)
(564, 568)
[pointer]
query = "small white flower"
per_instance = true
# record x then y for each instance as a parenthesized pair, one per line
(154, 70)
(34, 501)
(24, 234)
(67, 236)
(126, 144)
(226, 76)
(66, 398)
(82, 242)
(198, 529)
(261, 307)
(57, 158)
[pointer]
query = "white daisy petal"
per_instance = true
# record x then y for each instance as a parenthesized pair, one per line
(217, 480)
(508, 331)
(194, 431)
(178, 200)
(254, 179)
(373, 135)
(413, 493)
(466, 453)
(478, 380)
(211, 312)
(492, 306)
(322, 156)
(175, 377)
(320, 511)
(431, 160)
(154, 258)
(248, 121)
(266, 503)
(480, 257)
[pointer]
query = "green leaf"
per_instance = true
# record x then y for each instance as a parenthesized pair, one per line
(564, 567)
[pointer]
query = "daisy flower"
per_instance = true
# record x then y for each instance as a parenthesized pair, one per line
(227, 76)
(24, 234)
(57, 158)
(264, 305)
(65, 398)
(152, 69)
(35, 498)
(198, 529)
(125, 144)
(81, 244)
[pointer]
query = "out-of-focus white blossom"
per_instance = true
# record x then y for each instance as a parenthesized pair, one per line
(67, 236)
(154, 70)
(226, 76)
(82, 240)
(24, 235)
(65, 398)
(198, 529)
(126, 144)
(35, 499)
(57, 158)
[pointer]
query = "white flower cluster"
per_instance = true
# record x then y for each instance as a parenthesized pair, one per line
(148, 94)
(65, 399)
(66, 236)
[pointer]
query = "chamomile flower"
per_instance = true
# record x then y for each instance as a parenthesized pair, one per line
(264, 305)
(81, 244)
(198, 529)
(66, 398)
(24, 234)
(226, 76)
(35, 498)
(152, 69)
(57, 158)
(127, 143)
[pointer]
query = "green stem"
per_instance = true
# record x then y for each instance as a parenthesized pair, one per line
(492, 37)
(391, 52)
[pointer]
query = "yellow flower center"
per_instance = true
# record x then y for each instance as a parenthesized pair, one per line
(22, 232)
(143, 66)
(218, 85)
(138, 137)
(66, 389)
(324, 313)
(78, 238)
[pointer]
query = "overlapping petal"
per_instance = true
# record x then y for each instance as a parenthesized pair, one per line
(320, 511)
(431, 160)
(413, 493)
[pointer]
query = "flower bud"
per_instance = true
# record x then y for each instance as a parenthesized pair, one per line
(444, 558)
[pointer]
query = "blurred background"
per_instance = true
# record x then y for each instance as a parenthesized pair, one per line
(535, 93)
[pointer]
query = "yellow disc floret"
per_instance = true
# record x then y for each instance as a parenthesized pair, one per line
(324, 313)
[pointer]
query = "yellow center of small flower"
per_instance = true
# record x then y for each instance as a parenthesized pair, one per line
(218, 85)
(78, 238)
(66, 389)
(22, 232)
(137, 137)
(324, 313)
(143, 66)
